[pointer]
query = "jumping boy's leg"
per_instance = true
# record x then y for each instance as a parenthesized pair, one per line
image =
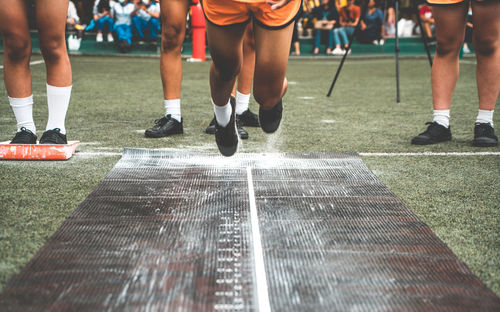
(270, 69)
(51, 21)
(486, 38)
(17, 77)
(244, 82)
(225, 44)
(173, 19)
(450, 32)
(241, 94)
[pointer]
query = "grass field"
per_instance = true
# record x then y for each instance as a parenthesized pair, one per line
(114, 99)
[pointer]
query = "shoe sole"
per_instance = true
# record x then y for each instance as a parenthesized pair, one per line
(156, 136)
(228, 150)
(484, 142)
(418, 141)
(272, 126)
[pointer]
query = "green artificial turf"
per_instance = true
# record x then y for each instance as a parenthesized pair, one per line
(114, 99)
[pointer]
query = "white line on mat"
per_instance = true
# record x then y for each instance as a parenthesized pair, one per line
(430, 154)
(260, 271)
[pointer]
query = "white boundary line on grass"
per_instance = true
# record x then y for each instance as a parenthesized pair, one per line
(430, 154)
(260, 270)
(360, 154)
(31, 63)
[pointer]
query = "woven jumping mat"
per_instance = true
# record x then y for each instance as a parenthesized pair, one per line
(178, 231)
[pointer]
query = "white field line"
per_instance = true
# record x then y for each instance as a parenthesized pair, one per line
(430, 154)
(31, 63)
(260, 271)
(97, 154)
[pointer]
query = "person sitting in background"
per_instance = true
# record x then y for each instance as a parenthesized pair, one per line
(372, 25)
(427, 19)
(72, 19)
(147, 19)
(326, 16)
(468, 31)
(122, 11)
(349, 17)
(103, 19)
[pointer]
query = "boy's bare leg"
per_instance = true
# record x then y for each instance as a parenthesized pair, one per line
(17, 48)
(486, 39)
(270, 64)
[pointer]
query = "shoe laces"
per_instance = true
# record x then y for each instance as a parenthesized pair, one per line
(22, 133)
(484, 130)
(433, 128)
(162, 121)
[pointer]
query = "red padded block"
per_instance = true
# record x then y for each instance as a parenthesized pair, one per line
(38, 151)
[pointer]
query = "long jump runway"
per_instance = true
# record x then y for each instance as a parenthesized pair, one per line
(175, 231)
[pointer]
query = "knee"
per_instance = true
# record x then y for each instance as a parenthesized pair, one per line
(227, 72)
(171, 38)
(485, 44)
(447, 46)
(267, 95)
(17, 47)
(53, 48)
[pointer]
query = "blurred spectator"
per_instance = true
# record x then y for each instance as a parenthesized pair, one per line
(122, 11)
(390, 28)
(308, 19)
(468, 31)
(72, 19)
(349, 17)
(103, 19)
(372, 25)
(326, 16)
(147, 19)
(427, 19)
(295, 39)
(340, 4)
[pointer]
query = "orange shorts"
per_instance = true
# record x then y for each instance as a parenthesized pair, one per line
(445, 2)
(231, 12)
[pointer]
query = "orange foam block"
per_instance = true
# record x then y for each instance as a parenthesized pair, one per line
(38, 151)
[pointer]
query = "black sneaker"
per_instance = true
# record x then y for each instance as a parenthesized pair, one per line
(53, 136)
(24, 136)
(270, 119)
(248, 119)
(165, 126)
(435, 133)
(226, 137)
(211, 127)
(241, 132)
(484, 135)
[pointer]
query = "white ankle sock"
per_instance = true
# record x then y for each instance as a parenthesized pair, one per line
(442, 117)
(23, 110)
(485, 116)
(58, 102)
(173, 108)
(242, 101)
(223, 113)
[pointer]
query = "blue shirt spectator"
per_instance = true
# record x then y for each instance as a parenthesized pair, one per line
(372, 25)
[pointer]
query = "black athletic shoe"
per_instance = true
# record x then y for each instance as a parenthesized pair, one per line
(435, 133)
(270, 119)
(53, 136)
(248, 119)
(241, 132)
(165, 126)
(226, 137)
(211, 127)
(484, 135)
(24, 136)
